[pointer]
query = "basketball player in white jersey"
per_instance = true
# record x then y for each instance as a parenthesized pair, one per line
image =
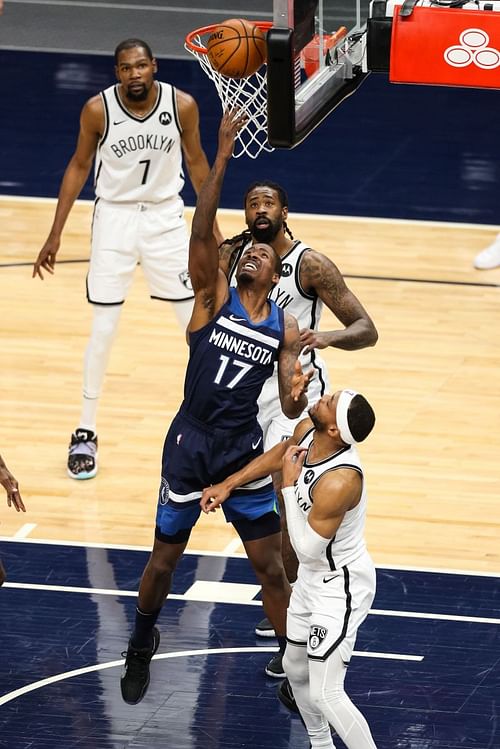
(309, 280)
(325, 498)
(137, 132)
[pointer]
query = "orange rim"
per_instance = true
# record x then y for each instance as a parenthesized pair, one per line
(263, 25)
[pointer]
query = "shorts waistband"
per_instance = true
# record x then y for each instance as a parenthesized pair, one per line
(210, 429)
(142, 205)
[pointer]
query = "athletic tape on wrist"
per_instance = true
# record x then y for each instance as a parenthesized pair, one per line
(343, 404)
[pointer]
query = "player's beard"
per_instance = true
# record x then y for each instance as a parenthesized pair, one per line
(318, 425)
(266, 234)
(138, 95)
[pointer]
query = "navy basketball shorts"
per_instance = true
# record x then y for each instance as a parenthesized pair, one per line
(196, 456)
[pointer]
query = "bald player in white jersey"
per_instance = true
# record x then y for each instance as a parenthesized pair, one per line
(137, 131)
(309, 281)
(325, 498)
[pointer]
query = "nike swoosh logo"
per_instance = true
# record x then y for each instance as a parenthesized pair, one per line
(237, 319)
(255, 446)
(329, 579)
(118, 122)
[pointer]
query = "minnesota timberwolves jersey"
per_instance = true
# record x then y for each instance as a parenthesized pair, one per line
(230, 358)
(139, 159)
(288, 293)
(349, 542)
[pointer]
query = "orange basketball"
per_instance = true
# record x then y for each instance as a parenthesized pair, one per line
(236, 48)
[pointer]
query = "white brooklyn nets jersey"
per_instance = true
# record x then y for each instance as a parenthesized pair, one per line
(349, 542)
(289, 295)
(139, 159)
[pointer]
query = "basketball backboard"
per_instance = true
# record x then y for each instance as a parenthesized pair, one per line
(315, 60)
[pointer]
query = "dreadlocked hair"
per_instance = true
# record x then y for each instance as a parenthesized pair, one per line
(239, 239)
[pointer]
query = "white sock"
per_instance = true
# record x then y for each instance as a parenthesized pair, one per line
(296, 666)
(104, 328)
(183, 311)
(328, 695)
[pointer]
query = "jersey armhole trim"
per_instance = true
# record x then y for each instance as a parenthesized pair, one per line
(175, 110)
(301, 291)
(106, 120)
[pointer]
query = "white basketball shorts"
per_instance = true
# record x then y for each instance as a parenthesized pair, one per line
(276, 427)
(152, 234)
(327, 608)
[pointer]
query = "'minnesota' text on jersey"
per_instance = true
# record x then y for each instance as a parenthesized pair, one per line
(139, 159)
(230, 359)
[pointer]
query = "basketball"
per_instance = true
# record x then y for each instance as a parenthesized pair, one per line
(236, 48)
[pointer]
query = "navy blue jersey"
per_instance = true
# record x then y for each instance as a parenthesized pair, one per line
(230, 359)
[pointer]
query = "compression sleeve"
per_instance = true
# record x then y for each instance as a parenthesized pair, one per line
(309, 545)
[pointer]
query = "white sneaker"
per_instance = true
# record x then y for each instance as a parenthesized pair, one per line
(490, 257)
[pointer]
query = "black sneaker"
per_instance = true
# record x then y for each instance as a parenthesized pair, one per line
(135, 676)
(285, 696)
(275, 667)
(265, 629)
(82, 457)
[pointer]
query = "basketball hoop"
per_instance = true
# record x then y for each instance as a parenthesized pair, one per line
(248, 94)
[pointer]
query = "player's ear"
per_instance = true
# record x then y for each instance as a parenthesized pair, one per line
(275, 279)
(284, 212)
(155, 65)
(334, 432)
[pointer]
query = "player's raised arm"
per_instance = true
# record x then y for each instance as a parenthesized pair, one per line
(210, 284)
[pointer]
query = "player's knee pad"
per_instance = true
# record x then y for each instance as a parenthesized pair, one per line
(295, 664)
(183, 311)
(105, 323)
(327, 680)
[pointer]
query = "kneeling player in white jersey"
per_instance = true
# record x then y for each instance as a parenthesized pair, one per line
(137, 131)
(325, 499)
(309, 281)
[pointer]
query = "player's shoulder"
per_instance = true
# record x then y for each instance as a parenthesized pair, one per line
(315, 266)
(184, 100)
(95, 103)
(93, 111)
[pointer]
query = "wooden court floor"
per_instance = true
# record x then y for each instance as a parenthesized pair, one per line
(432, 464)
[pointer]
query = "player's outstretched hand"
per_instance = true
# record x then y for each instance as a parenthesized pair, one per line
(11, 486)
(46, 258)
(292, 463)
(213, 497)
(311, 339)
(232, 122)
(300, 381)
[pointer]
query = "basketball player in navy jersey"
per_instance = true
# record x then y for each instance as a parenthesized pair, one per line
(309, 281)
(137, 132)
(325, 497)
(14, 499)
(236, 336)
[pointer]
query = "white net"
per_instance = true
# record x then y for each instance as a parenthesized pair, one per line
(247, 94)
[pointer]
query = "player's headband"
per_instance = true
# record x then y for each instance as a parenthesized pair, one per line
(343, 404)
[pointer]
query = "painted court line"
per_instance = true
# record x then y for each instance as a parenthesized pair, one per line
(236, 555)
(335, 218)
(164, 656)
(191, 597)
(25, 530)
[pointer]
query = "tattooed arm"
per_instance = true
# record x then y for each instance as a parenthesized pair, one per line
(319, 274)
(291, 380)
